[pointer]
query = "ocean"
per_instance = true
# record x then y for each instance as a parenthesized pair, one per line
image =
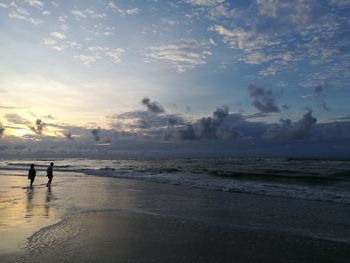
(321, 180)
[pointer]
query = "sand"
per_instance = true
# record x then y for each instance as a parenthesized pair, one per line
(99, 219)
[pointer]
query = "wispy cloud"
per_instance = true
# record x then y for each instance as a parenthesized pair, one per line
(98, 52)
(22, 14)
(35, 3)
(87, 13)
(58, 35)
(16, 119)
(115, 8)
(205, 2)
(183, 55)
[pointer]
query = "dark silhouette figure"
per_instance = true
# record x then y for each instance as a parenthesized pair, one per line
(31, 174)
(49, 171)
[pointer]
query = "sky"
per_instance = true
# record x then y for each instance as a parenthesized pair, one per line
(215, 77)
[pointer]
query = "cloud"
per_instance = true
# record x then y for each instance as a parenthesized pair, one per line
(35, 3)
(123, 12)
(16, 119)
(133, 11)
(238, 38)
(207, 127)
(264, 100)
(49, 116)
(321, 87)
(96, 133)
(87, 13)
(217, 127)
(3, 147)
(87, 59)
(2, 130)
(69, 136)
(205, 2)
(187, 132)
(223, 11)
(98, 52)
(152, 106)
(300, 11)
(57, 41)
(49, 42)
(289, 130)
(183, 55)
(148, 124)
(21, 14)
(58, 35)
(324, 106)
(39, 126)
(341, 3)
(7, 107)
(343, 118)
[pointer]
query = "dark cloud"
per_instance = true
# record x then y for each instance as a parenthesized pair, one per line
(145, 120)
(187, 132)
(20, 147)
(320, 88)
(264, 100)
(152, 106)
(39, 126)
(214, 127)
(143, 124)
(69, 136)
(172, 121)
(16, 119)
(96, 133)
(208, 126)
(256, 115)
(2, 130)
(289, 130)
(107, 140)
(3, 147)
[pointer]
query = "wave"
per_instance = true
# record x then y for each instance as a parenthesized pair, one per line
(229, 185)
(310, 180)
(37, 165)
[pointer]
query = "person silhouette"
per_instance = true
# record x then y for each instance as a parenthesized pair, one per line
(49, 171)
(31, 174)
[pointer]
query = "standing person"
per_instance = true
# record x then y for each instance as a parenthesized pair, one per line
(31, 174)
(49, 171)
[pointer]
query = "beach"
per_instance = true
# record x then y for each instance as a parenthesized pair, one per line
(100, 219)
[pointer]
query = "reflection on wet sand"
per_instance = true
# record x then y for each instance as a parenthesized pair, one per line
(49, 196)
(29, 202)
(37, 203)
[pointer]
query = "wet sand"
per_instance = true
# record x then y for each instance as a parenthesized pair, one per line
(117, 220)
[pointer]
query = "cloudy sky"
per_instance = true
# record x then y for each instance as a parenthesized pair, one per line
(95, 75)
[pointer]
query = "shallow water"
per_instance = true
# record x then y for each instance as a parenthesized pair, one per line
(322, 180)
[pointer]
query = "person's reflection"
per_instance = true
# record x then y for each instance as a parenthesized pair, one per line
(48, 200)
(29, 204)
